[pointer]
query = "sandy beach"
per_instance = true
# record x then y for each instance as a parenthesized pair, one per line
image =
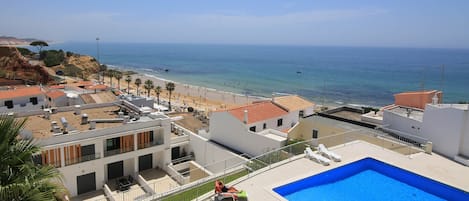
(186, 95)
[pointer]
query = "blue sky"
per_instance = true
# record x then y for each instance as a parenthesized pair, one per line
(415, 23)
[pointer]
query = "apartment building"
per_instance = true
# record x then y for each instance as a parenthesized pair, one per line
(93, 144)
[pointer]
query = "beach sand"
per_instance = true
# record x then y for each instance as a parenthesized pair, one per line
(185, 95)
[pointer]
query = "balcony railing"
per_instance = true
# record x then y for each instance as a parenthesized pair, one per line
(118, 151)
(150, 144)
(82, 159)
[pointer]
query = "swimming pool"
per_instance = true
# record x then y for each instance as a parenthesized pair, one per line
(368, 179)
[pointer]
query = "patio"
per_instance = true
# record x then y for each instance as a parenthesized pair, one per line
(159, 180)
(134, 190)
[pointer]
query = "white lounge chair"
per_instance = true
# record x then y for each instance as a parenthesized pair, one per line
(320, 159)
(329, 154)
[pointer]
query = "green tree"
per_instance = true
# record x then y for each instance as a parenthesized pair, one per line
(20, 177)
(110, 74)
(170, 87)
(128, 79)
(148, 86)
(158, 91)
(118, 76)
(138, 82)
(39, 44)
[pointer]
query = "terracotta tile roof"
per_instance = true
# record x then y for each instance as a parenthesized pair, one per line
(293, 102)
(258, 112)
(55, 94)
(20, 92)
(57, 87)
(417, 92)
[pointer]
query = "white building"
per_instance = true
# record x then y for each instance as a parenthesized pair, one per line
(56, 98)
(92, 146)
(253, 129)
(445, 125)
(21, 99)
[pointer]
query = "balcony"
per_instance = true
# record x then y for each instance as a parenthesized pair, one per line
(150, 144)
(118, 151)
(82, 159)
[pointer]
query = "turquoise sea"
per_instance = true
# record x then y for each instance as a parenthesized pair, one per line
(340, 75)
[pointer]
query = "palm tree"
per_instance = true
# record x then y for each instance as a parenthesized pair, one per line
(110, 74)
(20, 177)
(138, 82)
(128, 79)
(118, 76)
(170, 87)
(158, 91)
(148, 86)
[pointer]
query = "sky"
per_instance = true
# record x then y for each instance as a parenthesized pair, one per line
(381, 23)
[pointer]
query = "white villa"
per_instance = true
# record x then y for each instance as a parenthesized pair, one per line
(21, 99)
(259, 127)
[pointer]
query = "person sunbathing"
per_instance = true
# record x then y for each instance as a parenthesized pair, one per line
(225, 189)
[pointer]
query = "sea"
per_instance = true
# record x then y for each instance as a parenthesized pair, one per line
(356, 76)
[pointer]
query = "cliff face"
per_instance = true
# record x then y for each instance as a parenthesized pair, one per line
(86, 63)
(14, 66)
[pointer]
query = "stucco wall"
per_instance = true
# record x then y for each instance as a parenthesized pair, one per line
(212, 156)
(403, 124)
(444, 128)
(324, 126)
(227, 130)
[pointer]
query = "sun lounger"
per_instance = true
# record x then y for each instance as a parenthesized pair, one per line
(329, 154)
(320, 159)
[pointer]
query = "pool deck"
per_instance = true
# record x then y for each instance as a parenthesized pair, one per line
(434, 166)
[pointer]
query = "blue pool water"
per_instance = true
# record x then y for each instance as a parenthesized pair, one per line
(369, 179)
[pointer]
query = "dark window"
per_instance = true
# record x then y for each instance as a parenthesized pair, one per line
(9, 104)
(87, 152)
(112, 144)
(264, 126)
(33, 100)
(315, 134)
(279, 122)
(253, 128)
(302, 113)
(151, 136)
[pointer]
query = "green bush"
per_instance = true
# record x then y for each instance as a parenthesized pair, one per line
(24, 51)
(69, 54)
(52, 57)
(72, 70)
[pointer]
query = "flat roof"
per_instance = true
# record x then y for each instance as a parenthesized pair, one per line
(41, 127)
(402, 111)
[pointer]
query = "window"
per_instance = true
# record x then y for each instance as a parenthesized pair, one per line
(301, 113)
(253, 128)
(315, 134)
(264, 126)
(9, 104)
(112, 144)
(279, 122)
(33, 100)
(151, 136)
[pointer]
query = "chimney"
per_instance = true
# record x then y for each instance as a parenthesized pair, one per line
(64, 122)
(245, 117)
(84, 119)
(126, 119)
(54, 127)
(46, 114)
(92, 125)
(120, 114)
(435, 99)
(77, 109)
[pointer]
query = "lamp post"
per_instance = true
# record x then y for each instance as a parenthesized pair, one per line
(97, 54)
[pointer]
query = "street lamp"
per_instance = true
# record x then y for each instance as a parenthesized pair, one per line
(97, 53)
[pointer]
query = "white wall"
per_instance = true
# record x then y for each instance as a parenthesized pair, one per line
(212, 156)
(71, 172)
(401, 123)
(444, 128)
(272, 123)
(229, 131)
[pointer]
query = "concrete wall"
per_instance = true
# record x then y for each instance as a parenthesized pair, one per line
(229, 131)
(197, 172)
(71, 172)
(20, 108)
(212, 156)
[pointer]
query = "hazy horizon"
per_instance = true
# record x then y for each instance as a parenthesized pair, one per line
(336, 23)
